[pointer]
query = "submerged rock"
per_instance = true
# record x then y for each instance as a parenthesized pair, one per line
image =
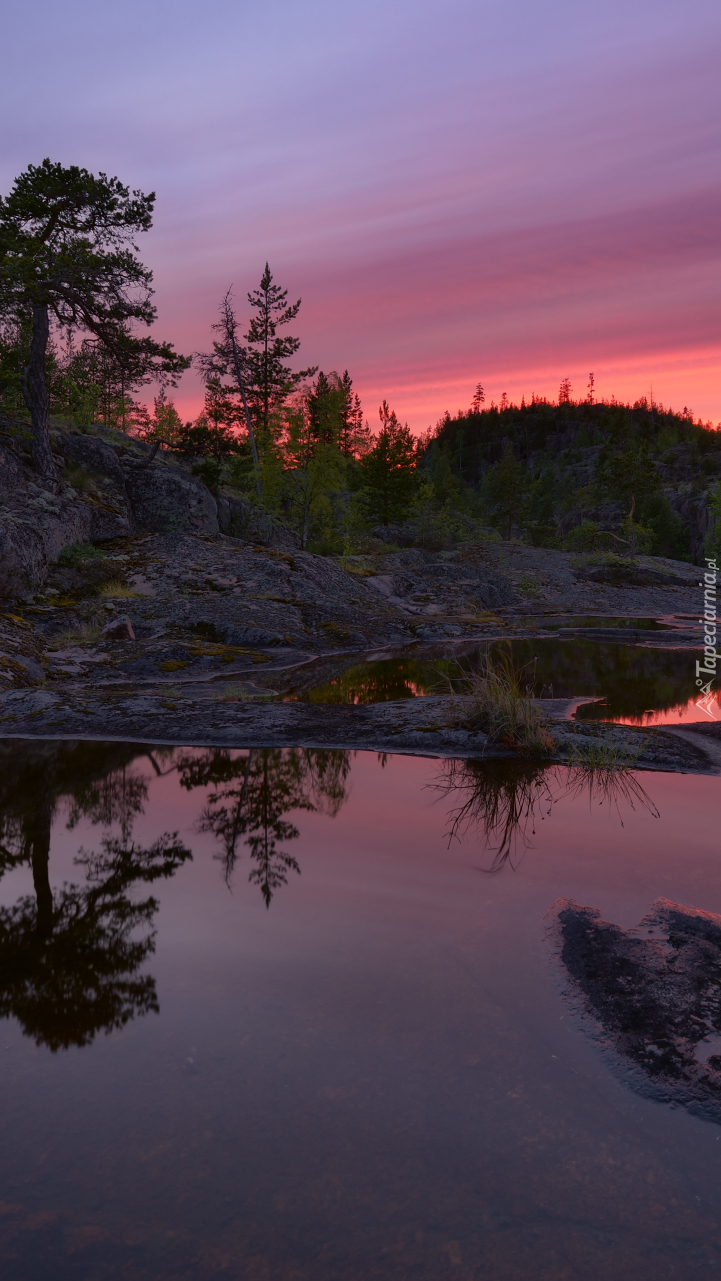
(651, 995)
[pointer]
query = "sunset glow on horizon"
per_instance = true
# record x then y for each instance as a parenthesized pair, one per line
(459, 193)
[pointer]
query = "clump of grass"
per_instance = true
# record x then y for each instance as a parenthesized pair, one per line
(80, 479)
(237, 694)
(116, 589)
(85, 634)
(172, 665)
(503, 707)
(529, 585)
(605, 754)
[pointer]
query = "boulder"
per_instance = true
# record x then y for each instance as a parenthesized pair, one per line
(165, 499)
(94, 455)
(242, 520)
(118, 629)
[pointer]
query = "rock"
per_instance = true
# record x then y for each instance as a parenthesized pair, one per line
(242, 520)
(230, 634)
(118, 629)
(95, 456)
(166, 500)
(37, 519)
(631, 576)
(33, 668)
(650, 995)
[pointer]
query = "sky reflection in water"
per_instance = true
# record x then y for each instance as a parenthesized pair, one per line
(337, 1046)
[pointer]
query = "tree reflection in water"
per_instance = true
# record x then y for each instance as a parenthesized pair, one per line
(252, 795)
(69, 958)
(501, 800)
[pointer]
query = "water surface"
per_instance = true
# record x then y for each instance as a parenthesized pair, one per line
(308, 1038)
(634, 684)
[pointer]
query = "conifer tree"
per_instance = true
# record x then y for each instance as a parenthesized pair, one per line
(270, 380)
(67, 255)
(389, 471)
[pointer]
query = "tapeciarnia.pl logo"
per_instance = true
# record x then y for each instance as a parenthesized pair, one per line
(706, 671)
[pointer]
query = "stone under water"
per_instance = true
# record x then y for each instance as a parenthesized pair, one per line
(651, 996)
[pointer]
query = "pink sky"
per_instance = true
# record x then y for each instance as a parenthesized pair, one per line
(459, 191)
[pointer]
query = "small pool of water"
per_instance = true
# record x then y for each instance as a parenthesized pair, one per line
(294, 1015)
(638, 686)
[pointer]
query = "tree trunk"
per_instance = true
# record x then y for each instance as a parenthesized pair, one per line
(38, 838)
(248, 422)
(35, 393)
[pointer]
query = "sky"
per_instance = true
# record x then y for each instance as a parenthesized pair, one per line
(459, 191)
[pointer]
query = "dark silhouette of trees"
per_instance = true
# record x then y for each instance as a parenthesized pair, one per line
(270, 379)
(229, 361)
(67, 255)
(506, 487)
(336, 415)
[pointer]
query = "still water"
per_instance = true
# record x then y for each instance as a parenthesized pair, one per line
(635, 684)
(294, 1015)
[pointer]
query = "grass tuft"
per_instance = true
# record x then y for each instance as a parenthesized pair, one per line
(117, 590)
(502, 706)
(85, 634)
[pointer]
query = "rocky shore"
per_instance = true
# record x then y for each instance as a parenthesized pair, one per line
(135, 603)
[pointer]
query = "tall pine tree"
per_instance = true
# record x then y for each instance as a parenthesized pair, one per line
(269, 379)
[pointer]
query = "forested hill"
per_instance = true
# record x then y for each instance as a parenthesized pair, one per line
(557, 473)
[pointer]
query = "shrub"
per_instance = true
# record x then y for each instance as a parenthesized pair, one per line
(74, 554)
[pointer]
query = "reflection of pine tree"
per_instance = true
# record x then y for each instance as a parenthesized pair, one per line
(69, 959)
(117, 798)
(252, 795)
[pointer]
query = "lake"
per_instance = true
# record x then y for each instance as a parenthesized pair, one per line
(321, 1034)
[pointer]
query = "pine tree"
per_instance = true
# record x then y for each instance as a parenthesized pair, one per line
(389, 471)
(326, 403)
(479, 397)
(269, 379)
(228, 360)
(355, 438)
(67, 256)
(564, 392)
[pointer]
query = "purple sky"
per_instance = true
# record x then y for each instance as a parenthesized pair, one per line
(510, 192)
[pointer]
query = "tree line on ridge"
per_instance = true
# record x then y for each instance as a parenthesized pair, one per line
(76, 300)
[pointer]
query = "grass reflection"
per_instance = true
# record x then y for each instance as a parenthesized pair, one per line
(499, 802)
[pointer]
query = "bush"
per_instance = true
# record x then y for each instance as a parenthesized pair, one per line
(73, 556)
